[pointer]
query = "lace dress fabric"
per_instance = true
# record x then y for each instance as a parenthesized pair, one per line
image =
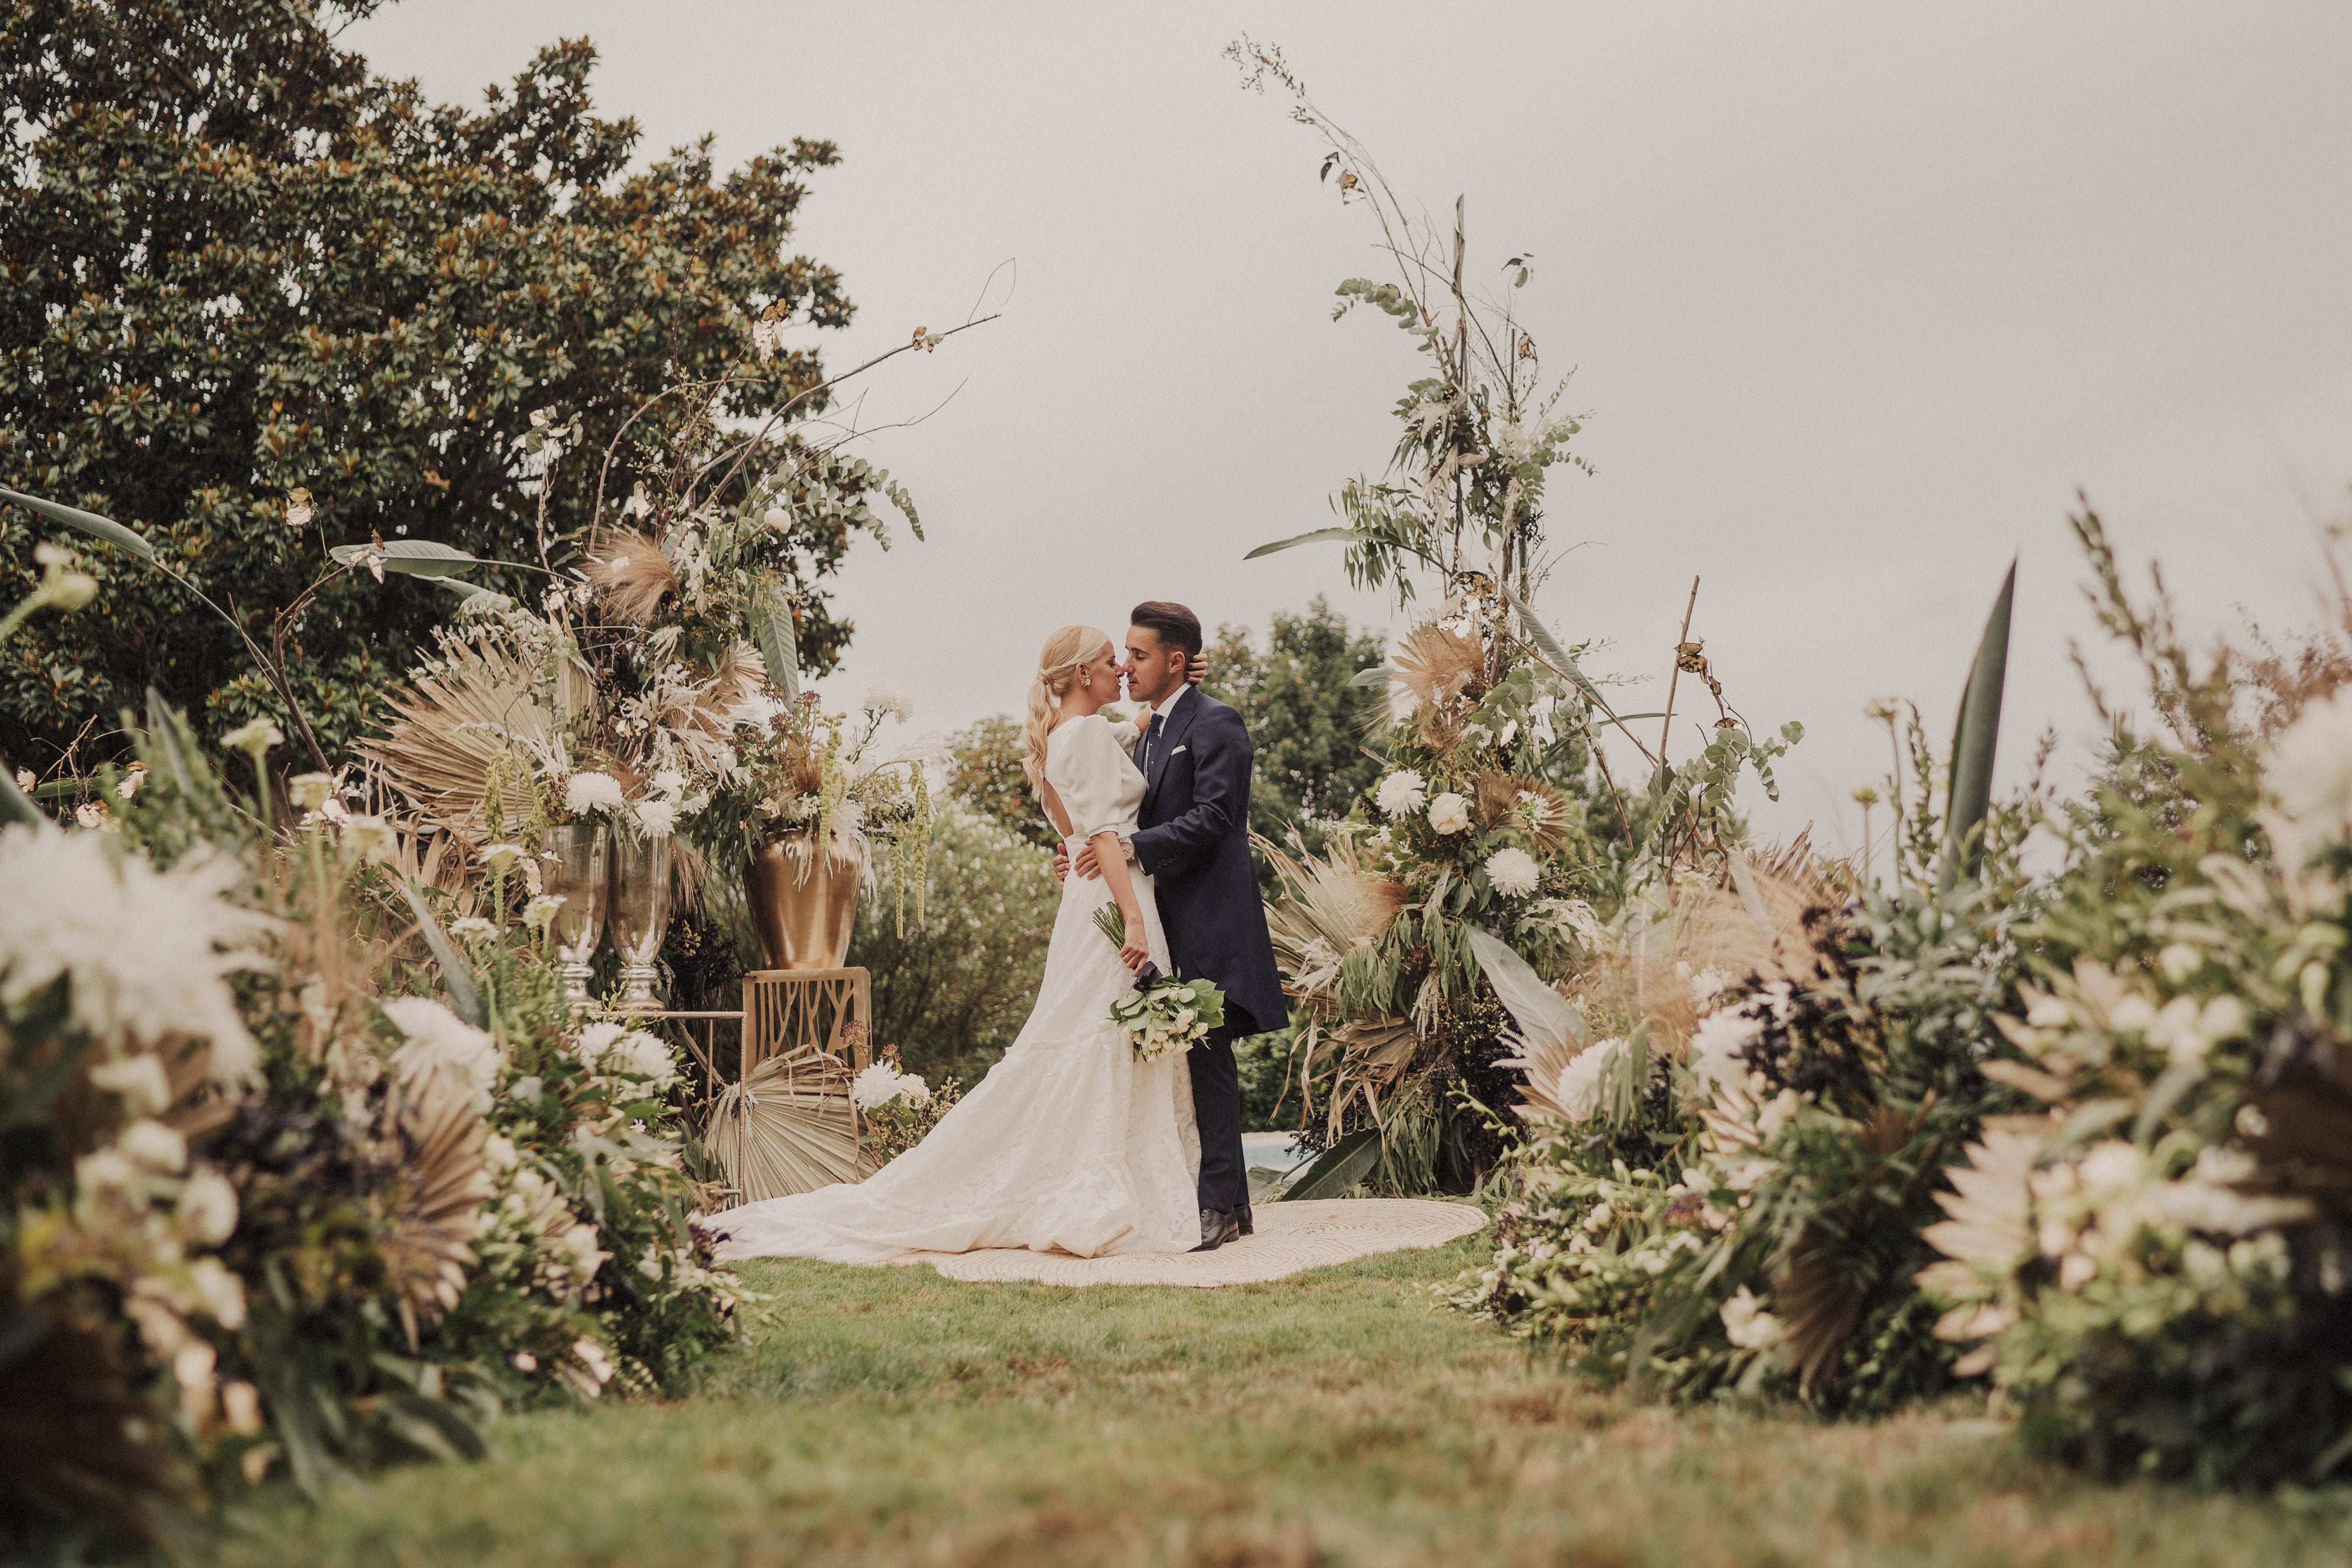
(1069, 1144)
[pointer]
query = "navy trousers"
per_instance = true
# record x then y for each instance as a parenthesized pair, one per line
(1217, 1107)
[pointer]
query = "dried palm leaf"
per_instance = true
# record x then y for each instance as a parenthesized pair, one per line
(1819, 1303)
(1331, 906)
(1364, 1057)
(1437, 666)
(431, 1209)
(631, 573)
(787, 1127)
(461, 716)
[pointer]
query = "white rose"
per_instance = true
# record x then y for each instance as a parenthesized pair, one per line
(1449, 813)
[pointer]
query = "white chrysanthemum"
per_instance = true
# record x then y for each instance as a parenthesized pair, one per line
(645, 1055)
(891, 698)
(669, 784)
(1707, 985)
(2310, 777)
(1513, 872)
(592, 791)
(875, 1086)
(1578, 1086)
(658, 819)
(438, 1040)
(143, 952)
(1449, 813)
(1402, 793)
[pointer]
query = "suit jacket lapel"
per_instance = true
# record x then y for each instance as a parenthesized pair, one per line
(1172, 730)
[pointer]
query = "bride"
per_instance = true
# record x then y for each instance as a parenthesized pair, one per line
(1070, 1144)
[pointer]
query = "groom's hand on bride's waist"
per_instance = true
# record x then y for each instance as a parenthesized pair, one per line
(1087, 865)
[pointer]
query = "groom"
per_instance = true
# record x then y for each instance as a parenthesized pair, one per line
(1192, 838)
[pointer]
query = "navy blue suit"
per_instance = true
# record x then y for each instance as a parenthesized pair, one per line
(1193, 837)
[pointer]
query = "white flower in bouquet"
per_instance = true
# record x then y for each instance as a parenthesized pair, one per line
(658, 819)
(498, 857)
(1513, 872)
(207, 1212)
(1715, 1046)
(146, 953)
(1401, 794)
(669, 784)
(151, 1144)
(370, 837)
(645, 1055)
(590, 790)
(891, 699)
(876, 1086)
(138, 1082)
(1578, 1090)
(1449, 813)
(439, 1042)
(756, 711)
(1746, 1323)
(255, 737)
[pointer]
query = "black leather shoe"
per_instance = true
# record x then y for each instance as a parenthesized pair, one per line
(1242, 1215)
(1218, 1227)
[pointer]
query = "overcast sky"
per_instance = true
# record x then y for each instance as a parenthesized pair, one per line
(1857, 294)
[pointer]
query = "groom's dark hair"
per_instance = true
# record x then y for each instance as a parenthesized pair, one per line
(1176, 626)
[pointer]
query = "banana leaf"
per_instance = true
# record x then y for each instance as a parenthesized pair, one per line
(1339, 1168)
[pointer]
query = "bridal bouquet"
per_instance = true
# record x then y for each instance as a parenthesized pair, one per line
(1159, 1016)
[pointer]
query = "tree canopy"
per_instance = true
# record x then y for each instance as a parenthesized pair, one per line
(1307, 723)
(257, 301)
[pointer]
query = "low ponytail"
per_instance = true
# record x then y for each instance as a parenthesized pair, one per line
(1064, 651)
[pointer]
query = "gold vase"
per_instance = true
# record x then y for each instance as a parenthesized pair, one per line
(802, 907)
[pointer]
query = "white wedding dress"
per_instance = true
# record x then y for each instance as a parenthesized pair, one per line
(1070, 1144)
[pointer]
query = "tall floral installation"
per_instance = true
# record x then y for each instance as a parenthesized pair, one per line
(1760, 1124)
(322, 1152)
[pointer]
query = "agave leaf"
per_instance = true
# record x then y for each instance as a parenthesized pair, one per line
(463, 999)
(1378, 675)
(772, 633)
(1313, 536)
(417, 557)
(90, 523)
(1339, 1168)
(1974, 735)
(1542, 1014)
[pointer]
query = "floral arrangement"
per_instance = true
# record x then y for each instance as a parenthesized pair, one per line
(274, 1211)
(900, 1109)
(1169, 1017)
(807, 778)
(1160, 1015)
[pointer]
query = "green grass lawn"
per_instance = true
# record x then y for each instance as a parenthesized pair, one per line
(886, 1415)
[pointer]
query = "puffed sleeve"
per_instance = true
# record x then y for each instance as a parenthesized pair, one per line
(1087, 766)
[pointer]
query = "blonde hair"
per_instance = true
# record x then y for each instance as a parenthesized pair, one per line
(1057, 663)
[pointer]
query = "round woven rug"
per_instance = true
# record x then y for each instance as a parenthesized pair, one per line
(1290, 1237)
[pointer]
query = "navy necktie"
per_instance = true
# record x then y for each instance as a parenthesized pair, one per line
(1150, 739)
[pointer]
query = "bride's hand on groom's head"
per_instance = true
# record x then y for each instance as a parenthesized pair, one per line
(1197, 671)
